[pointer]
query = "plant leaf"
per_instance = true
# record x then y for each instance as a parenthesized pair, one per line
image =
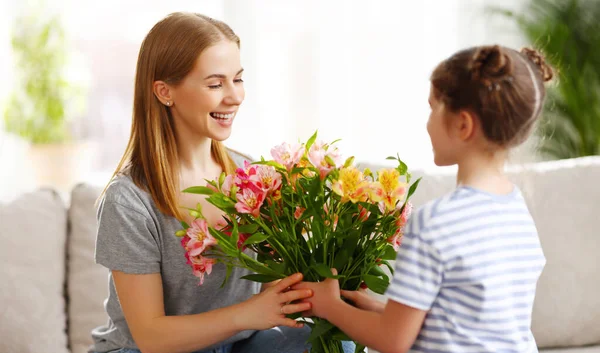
(260, 278)
(200, 190)
(376, 284)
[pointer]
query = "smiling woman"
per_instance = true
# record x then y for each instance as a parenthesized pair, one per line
(188, 89)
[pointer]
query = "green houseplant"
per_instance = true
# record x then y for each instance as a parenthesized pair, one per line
(44, 100)
(37, 108)
(568, 31)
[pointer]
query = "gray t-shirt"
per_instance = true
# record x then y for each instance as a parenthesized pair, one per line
(135, 237)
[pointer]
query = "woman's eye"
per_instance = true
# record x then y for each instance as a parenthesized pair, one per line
(215, 86)
(238, 80)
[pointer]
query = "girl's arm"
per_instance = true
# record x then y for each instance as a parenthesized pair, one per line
(141, 299)
(392, 331)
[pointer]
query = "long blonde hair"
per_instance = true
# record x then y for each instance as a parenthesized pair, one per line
(168, 53)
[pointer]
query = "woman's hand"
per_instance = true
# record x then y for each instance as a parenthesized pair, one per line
(268, 308)
(363, 301)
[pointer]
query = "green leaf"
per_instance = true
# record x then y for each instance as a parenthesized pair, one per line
(222, 202)
(227, 275)
(260, 278)
(390, 158)
(184, 225)
(320, 328)
(311, 140)
(402, 168)
(256, 238)
(248, 228)
(377, 271)
(324, 271)
(376, 284)
(341, 259)
(387, 264)
(200, 190)
(359, 348)
(389, 253)
(413, 188)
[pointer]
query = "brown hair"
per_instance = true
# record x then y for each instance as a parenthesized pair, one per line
(168, 53)
(504, 88)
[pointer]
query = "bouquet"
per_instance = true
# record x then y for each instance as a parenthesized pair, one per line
(306, 210)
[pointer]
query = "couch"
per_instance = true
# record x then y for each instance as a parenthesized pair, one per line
(52, 293)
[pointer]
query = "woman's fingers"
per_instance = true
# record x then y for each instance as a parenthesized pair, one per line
(292, 295)
(290, 323)
(288, 282)
(295, 308)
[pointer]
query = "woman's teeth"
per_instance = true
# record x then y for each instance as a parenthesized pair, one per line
(222, 116)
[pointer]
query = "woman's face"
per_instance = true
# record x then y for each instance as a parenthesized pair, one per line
(206, 101)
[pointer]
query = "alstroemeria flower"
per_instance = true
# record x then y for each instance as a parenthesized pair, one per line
(351, 185)
(388, 189)
(287, 155)
(202, 265)
(199, 236)
(250, 201)
(267, 178)
(324, 157)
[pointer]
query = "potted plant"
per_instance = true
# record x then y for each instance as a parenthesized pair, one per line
(568, 31)
(43, 100)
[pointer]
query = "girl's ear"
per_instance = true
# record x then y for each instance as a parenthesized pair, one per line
(464, 125)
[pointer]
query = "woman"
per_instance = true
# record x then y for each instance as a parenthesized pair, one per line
(188, 88)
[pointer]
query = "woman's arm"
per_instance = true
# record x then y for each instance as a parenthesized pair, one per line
(142, 303)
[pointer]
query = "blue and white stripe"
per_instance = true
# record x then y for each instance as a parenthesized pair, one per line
(471, 260)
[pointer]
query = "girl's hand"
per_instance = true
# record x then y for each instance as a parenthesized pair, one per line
(325, 296)
(268, 308)
(363, 301)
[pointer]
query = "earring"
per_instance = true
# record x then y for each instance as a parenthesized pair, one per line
(168, 103)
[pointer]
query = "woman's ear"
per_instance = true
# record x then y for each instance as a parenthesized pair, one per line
(162, 91)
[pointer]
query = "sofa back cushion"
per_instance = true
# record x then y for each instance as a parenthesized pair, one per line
(88, 282)
(33, 231)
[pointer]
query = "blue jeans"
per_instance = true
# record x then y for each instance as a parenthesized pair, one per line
(223, 349)
(280, 340)
(276, 340)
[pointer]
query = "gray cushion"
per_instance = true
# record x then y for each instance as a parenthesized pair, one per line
(33, 230)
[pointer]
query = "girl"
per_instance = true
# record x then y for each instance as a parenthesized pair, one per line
(188, 88)
(467, 270)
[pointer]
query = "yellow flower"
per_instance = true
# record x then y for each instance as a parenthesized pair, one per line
(351, 185)
(388, 188)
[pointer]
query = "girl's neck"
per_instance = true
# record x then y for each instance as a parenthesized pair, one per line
(484, 171)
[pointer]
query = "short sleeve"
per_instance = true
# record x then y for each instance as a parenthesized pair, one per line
(418, 270)
(126, 241)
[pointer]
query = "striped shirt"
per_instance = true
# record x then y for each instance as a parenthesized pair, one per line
(471, 260)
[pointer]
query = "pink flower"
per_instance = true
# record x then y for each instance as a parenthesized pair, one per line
(287, 155)
(324, 157)
(250, 201)
(246, 177)
(267, 178)
(202, 265)
(200, 238)
(396, 240)
(406, 212)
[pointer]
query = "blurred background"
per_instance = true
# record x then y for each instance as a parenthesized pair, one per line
(355, 70)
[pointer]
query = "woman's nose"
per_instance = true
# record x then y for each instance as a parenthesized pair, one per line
(235, 96)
